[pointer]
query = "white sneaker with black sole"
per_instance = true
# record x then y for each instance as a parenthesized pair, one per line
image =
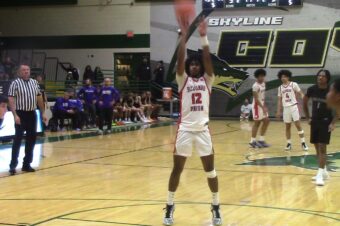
(288, 147)
(304, 146)
(216, 219)
(169, 215)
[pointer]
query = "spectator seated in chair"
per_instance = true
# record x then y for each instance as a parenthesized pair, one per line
(151, 106)
(77, 107)
(66, 109)
(245, 111)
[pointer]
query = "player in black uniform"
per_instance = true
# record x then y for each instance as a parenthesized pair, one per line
(322, 122)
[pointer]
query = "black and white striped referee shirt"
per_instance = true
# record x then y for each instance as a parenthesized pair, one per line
(25, 93)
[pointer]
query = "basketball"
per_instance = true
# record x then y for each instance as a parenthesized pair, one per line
(185, 12)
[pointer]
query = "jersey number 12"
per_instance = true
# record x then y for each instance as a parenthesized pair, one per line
(196, 98)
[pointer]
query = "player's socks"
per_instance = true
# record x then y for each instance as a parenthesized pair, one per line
(171, 197)
(216, 216)
(261, 138)
(215, 198)
(253, 139)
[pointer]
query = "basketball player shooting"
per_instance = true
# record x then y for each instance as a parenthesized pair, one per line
(195, 77)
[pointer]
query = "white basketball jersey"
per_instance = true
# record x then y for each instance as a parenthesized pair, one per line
(195, 101)
(288, 94)
(261, 90)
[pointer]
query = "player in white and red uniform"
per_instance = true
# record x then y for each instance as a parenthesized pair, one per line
(287, 99)
(195, 78)
(260, 111)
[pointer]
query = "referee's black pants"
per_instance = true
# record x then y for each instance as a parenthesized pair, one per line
(28, 122)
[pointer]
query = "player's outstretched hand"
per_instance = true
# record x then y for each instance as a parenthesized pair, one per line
(203, 26)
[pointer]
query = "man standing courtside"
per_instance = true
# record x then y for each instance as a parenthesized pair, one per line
(24, 95)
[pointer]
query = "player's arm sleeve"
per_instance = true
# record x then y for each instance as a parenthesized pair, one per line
(181, 80)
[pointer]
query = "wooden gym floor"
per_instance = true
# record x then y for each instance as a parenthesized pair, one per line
(121, 179)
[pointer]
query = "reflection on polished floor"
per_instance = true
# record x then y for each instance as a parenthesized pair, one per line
(121, 179)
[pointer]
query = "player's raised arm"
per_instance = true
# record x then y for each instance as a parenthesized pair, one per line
(181, 52)
(202, 29)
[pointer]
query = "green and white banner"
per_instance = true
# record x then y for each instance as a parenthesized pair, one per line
(301, 39)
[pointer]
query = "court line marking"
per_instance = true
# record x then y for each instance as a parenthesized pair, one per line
(131, 151)
(77, 136)
(199, 169)
(107, 156)
(85, 160)
(96, 221)
(191, 203)
(149, 200)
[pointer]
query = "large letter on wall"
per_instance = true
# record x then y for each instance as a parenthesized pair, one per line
(300, 48)
(245, 48)
(336, 39)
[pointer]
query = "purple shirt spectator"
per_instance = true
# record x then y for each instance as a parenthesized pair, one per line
(88, 94)
(108, 96)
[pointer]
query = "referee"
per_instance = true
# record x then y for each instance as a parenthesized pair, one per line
(24, 95)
